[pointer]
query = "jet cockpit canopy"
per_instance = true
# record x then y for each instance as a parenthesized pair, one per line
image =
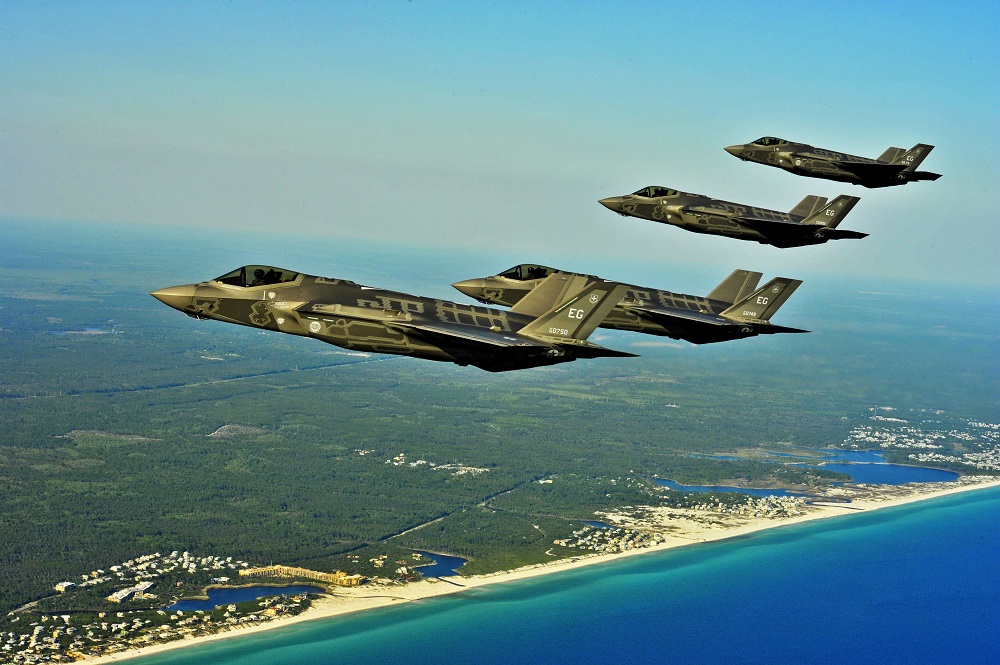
(655, 192)
(769, 141)
(257, 276)
(527, 271)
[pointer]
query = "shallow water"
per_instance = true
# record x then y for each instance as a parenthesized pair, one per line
(915, 583)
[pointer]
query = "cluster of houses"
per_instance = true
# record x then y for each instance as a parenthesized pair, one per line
(137, 591)
(987, 460)
(382, 559)
(871, 436)
(143, 570)
(769, 507)
(30, 635)
(400, 460)
(983, 438)
(609, 540)
(69, 637)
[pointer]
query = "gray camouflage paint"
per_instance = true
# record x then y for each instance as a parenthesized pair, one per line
(731, 311)
(813, 221)
(896, 166)
(371, 320)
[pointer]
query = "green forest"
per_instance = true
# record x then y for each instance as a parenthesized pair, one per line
(129, 429)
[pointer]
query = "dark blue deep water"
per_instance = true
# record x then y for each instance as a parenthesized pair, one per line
(917, 583)
(892, 474)
(218, 597)
(443, 566)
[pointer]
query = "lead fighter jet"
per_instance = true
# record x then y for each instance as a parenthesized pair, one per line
(549, 327)
(735, 309)
(813, 221)
(895, 166)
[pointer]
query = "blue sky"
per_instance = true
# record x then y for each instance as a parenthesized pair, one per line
(499, 125)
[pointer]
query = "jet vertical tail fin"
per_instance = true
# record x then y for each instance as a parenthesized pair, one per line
(891, 155)
(553, 290)
(912, 157)
(833, 213)
(808, 206)
(736, 286)
(761, 305)
(583, 305)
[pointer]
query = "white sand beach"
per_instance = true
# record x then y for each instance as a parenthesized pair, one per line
(679, 527)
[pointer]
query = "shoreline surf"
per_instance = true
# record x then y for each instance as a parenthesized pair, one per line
(696, 527)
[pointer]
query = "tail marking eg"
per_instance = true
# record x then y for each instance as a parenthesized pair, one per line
(912, 158)
(761, 305)
(584, 305)
(833, 213)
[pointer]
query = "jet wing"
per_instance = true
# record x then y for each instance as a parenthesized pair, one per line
(500, 352)
(771, 328)
(471, 342)
(866, 170)
(863, 169)
(689, 326)
(701, 328)
(436, 333)
(791, 234)
(668, 319)
(499, 341)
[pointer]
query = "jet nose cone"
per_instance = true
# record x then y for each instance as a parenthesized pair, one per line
(734, 150)
(612, 203)
(470, 287)
(178, 297)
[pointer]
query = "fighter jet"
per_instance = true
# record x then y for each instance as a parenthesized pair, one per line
(735, 309)
(895, 166)
(548, 327)
(811, 222)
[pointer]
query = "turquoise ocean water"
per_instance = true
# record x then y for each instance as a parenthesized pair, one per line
(917, 583)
